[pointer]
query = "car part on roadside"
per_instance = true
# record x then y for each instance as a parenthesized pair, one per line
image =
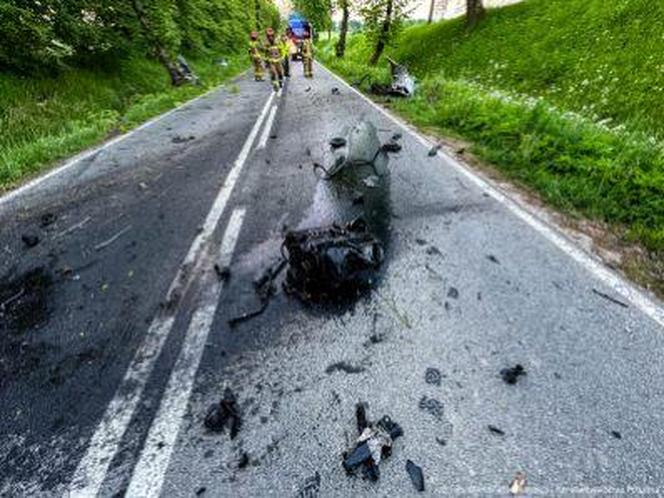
(416, 475)
(333, 263)
(225, 413)
(402, 85)
(511, 375)
(373, 445)
(518, 484)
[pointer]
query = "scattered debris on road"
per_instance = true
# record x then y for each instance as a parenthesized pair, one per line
(373, 445)
(511, 375)
(265, 289)
(223, 272)
(311, 487)
(495, 430)
(47, 219)
(616, 434)
(518, 484)
(342, 366)
(335, 91)
(433, 376)
(106, 243)
(30, 240)
(453, 293)
(23, 301)
(331, 264)
(610, 298)
(416, 475)
(181, 140)
(226, 412)
(243, 462)
(493, 259)
(433, 152)
(432, 406)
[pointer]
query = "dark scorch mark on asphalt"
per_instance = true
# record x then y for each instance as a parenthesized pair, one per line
(342, 366)
(24, 301)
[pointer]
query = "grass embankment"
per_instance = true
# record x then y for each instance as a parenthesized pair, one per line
(47, 119)
(565, 97)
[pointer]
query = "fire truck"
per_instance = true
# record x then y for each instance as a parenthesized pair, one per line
(298, 28)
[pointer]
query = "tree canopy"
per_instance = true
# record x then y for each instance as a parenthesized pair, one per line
(48, 35)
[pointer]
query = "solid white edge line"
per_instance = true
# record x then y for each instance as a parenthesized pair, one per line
(650, 306)
(12, 194)
(150, 470)
(91, 470)
(268, 128)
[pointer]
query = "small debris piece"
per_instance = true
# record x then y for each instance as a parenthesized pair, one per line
(493, 259)
(432, 406)
(434, 251)
(335, 91)
(342, 366)
(180, 140)
(616, 434)
(244, 460)
(610, 298)
(332, 264)
(358, 200)
(518, 484)
(511, 375)
(421, 242)
(30, 240)
(265, 289)
(392, 146)
(496, 430)
(373, 445)
(311, 487)
(416, 475)
(397, 136)
(371, 181)
(433, 376)
(226, 412)
(434, 150)
(115, 237)
(201, 490)
(223, 272)
(337, 142)
(441, 441)
(453, 293)
(47, 220)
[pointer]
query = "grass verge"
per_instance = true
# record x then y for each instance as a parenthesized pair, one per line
(45, 120)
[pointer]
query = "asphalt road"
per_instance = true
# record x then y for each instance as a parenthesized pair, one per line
(107, 377)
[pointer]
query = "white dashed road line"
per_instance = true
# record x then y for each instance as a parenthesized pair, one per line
(92, 469)
(150, 470)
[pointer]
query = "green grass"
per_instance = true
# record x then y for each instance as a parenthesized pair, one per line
(47, 119)
(533, 89)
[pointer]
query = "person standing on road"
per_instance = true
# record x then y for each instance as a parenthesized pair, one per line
(274, 61)
(308, 55)
(285, 45)
(256, 57)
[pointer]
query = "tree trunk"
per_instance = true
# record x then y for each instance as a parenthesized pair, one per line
(384, 33)
(343, 30)
(431, 10)
(174, 71)
(474, 12)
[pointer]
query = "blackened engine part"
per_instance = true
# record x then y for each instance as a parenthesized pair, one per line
(331, 264)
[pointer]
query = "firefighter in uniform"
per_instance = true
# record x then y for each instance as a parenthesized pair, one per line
(273, 59)
(308, 55)
(256, 56)
(285, 46)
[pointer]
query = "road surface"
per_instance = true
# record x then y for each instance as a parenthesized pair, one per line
(107, 378)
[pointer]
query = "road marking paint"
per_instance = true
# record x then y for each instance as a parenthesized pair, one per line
(12, 194)
(91, 471)
(615, 282)
(268, 128)
(150, 471)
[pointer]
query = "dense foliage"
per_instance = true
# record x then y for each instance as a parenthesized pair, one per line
(317, 12)
(48, 35)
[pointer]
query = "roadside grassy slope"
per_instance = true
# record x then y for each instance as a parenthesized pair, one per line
(561, 96)
(46, 119)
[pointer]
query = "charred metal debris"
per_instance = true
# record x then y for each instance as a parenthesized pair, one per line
(402, 84)
(223, 414)
(373, 445)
